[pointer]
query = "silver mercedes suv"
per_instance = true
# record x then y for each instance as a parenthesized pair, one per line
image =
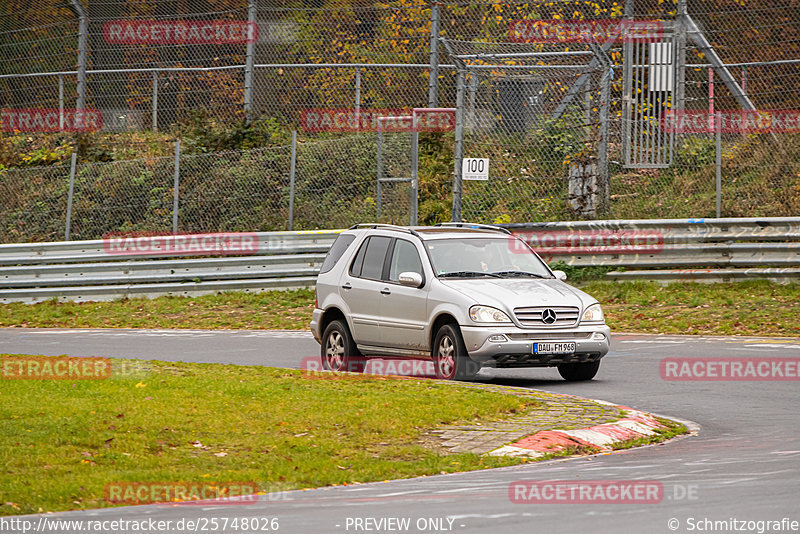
(462, 295)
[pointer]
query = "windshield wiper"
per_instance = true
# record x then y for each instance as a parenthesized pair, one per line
(467, 274)
(520, 274)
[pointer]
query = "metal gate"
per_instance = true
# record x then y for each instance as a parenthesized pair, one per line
(397, 187)
(649, 85)
(540, 116)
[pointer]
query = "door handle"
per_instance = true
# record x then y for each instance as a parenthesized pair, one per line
(385, 291)
(346, 285)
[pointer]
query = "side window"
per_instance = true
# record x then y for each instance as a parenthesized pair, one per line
(375, 257)
(404, 258)
(369, 259)
(358, 262)
(336, 252)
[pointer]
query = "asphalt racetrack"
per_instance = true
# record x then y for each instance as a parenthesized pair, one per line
(740, 473)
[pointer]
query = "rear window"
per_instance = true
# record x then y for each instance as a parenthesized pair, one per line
(336, 251)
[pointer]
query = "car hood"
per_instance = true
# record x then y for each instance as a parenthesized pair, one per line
(510, 293)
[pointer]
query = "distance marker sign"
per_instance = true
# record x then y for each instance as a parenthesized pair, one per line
(475, 168)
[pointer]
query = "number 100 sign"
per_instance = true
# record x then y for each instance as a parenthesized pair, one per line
(475, 168)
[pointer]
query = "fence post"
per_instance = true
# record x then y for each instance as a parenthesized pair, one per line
(458, 150)
(414, 177)
(433, 80)
(176, 184)
(155, 101)
(72, 170)
(473, 90)
(60, 102)
(602, 149)
(250, 60)
(680, 58)
(718, 128)
(358, 92)
(83, 32)
(379, 160)
(292, 170)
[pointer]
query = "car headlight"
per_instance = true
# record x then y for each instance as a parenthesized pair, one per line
(593, 313)
(487, 314)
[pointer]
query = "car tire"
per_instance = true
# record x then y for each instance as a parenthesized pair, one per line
(450, 358)
(576, 372)
(338, 351)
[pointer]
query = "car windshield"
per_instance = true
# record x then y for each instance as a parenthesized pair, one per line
(471, 257)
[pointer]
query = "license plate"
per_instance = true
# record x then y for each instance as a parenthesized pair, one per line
(554, 348)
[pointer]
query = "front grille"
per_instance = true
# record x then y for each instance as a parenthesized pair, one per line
(565, 315)
(548, 336)
(540, 360)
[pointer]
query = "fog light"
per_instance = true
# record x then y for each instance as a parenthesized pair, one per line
(500, 338)
(598, 336)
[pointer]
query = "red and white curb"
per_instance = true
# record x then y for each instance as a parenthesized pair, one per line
(635, 424)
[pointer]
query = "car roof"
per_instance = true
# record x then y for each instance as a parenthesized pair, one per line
(449, 230)
(439, 232)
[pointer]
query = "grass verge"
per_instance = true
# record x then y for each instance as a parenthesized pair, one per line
(231, 310)
(63, 441)
(756, 308)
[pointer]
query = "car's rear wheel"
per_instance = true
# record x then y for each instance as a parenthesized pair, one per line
(576, 372)
(450, 359)
(339, 352)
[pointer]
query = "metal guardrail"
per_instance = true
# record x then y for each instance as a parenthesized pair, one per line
(680, 249)
(688, 249)
(88, 271)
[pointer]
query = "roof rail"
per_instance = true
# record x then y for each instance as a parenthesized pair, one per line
(475, 225)
(385, 227)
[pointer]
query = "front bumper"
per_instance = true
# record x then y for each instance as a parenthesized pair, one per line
(591, 344)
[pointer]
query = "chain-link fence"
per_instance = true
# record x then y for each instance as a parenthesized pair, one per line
(34, 204)
(651, 167)
(331, 184)
(553, 141)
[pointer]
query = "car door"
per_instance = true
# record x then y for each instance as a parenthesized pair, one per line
(360, 289)
(403, 309)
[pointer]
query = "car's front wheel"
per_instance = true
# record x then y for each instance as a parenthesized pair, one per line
(450, 359)
(575, 372)
(339, 352)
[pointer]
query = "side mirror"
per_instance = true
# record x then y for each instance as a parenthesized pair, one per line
(560, 275)
(410, 279)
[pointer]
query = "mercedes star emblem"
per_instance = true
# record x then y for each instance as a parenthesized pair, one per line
(548, 316)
